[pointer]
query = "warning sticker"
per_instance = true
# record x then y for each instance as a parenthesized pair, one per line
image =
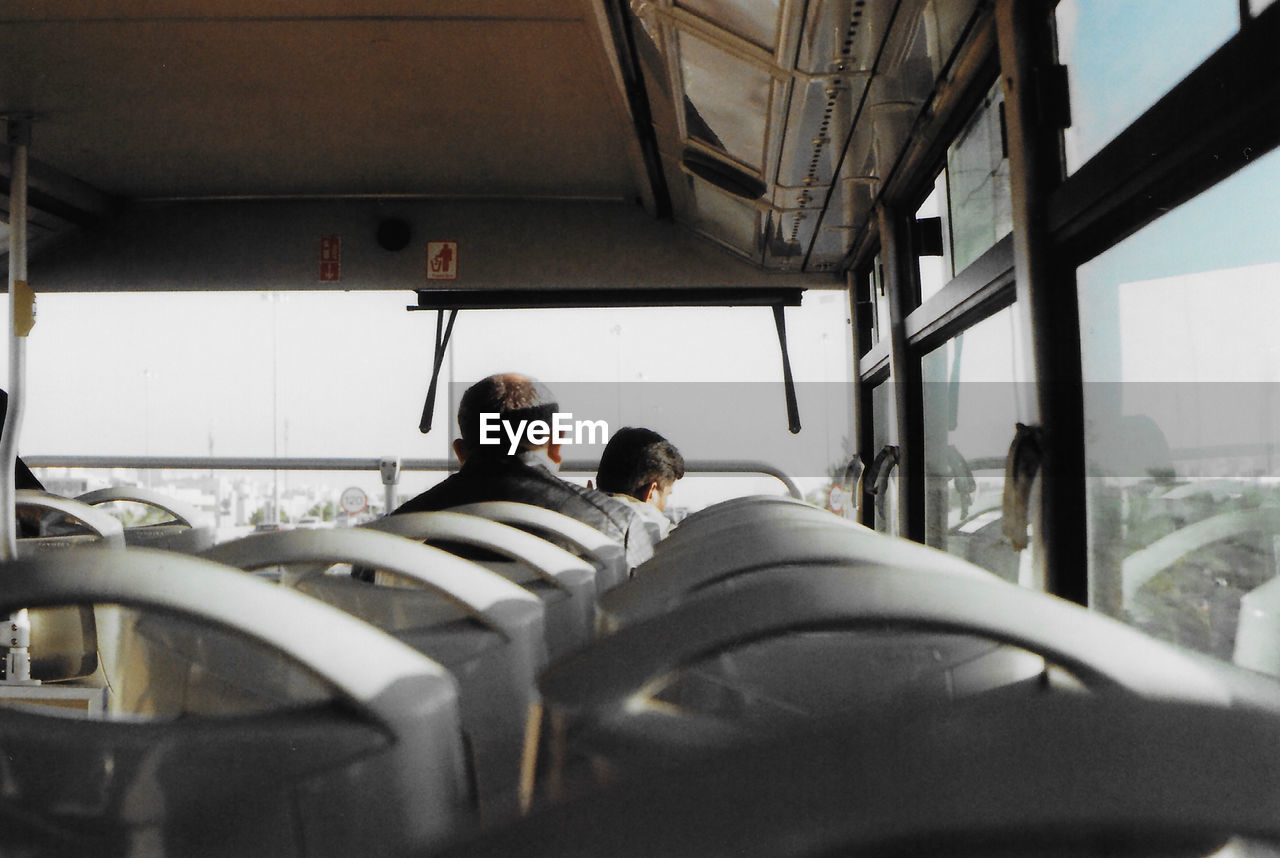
(330, 258)
(442, 260)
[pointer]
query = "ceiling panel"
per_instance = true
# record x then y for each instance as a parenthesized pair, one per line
(490, 99)
(115, 10)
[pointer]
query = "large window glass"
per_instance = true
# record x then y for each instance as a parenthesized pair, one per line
(880, 295)
(1182, 370)
(727, 99)
(873, 308)
(971, 197)
(980, 210)
(332, 374)
(757, 22)
(1123, 56)
(934, 268)
(970, 412)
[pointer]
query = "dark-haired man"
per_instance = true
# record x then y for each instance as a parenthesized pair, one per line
(639, 467)
(501, 461)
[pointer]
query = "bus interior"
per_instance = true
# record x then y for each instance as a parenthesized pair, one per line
(961, 313)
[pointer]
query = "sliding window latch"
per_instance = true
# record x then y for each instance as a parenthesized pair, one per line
(877, 477)
(1021, 465)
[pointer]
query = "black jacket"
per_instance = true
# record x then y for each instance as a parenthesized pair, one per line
(505, 478)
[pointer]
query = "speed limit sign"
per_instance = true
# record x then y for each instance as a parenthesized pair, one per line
(353, 500)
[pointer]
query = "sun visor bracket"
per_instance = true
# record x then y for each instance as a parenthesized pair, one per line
(793, 407)
(453, 300)
(443, 332)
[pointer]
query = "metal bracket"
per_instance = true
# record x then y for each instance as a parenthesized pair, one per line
(793, 408)
(442, 342)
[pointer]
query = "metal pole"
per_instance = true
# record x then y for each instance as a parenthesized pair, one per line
(21, 314)
(264, 463)
(389, 467)
(1046, 304)
(904, 374)
(19, 309)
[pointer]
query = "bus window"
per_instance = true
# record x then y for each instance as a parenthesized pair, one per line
(977, 177)
(880, 295)
(970, 408)
(1122, 57)
(970, 197)
(934, 269)
(343, 375)
(757, 22)
(1181, 369)
(707, 379)
(728, 100)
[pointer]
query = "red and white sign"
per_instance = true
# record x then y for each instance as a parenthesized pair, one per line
(836, 499)
(330, 258)
(442, 260)
(353, 500)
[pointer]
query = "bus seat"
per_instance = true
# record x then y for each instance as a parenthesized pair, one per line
(910, 637)
(182, 530)
(68, 633)
(735, 506)
(65, 522)
(760, 544)
(580, 538)
(357, 750)
(564, 582)
(974, 779)
(743, 514)
(488, 631)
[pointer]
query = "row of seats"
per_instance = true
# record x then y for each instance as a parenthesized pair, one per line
(555, 674)
(487, 622)
(1098, 775)
(775, 681)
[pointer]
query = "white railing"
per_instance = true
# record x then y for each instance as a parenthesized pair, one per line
(275, 463)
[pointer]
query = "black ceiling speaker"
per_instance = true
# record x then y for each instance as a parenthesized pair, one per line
(394, 234)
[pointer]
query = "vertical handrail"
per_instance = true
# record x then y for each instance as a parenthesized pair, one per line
(19, 133)
(1047, 308)
(18, 659)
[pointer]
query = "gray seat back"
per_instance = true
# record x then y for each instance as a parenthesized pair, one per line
(69, 632)
(762, 542)
(564, 582)
(185, 530)
(802, 643)
(609, 558)
(486, 630)
(360, 750)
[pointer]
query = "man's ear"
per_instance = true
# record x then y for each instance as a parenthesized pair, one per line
(460, 450)
(553, 453)
(652, 493)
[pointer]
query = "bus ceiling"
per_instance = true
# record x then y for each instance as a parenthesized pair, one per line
(560, 143)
